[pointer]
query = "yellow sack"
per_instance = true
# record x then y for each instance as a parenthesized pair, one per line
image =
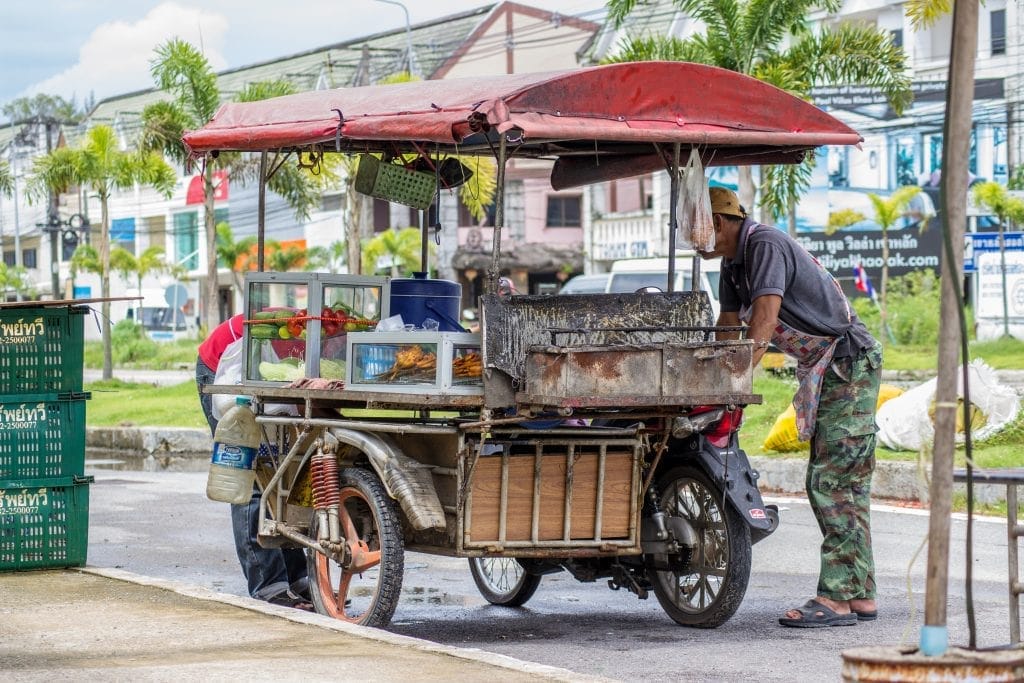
(783, 437)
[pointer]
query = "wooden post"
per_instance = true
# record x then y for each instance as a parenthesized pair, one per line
(261, 213)
(955, 147)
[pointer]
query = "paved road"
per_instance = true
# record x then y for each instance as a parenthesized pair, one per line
(158, 377)
(161, 524)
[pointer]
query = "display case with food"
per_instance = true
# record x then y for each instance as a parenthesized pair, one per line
(296, 323)
(415, 362)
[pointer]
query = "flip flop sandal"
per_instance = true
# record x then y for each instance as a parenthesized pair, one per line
(816, 615)
(289, 599)
(866, 615)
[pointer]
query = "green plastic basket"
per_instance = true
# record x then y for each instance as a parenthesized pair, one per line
(42, 435)
(44, 523)
(395, 183)
(41, 349)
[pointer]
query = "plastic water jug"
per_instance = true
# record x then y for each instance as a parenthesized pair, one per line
(235, 445)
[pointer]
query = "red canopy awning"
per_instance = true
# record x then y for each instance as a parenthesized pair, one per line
(641, 101)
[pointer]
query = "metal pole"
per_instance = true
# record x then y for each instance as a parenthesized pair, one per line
(673, 223)
(17, 226)
(408, 37)
(1012, 536)
(261, 213)
(53, 222)
(1002, 273)
(491, 286)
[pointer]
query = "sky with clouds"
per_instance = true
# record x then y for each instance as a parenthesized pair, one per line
(73, 48)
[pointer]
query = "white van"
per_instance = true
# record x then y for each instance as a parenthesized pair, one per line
(630, 275)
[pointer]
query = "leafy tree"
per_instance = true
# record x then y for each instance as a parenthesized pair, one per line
(235, 254)
(887, 213)
(184, 72)
(771, 40)
(15, 279)
(402, 248)
(101, 166)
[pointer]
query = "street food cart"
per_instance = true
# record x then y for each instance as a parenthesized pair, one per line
(594, 434)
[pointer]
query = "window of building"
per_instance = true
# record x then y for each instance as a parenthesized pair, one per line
(186, 239)
(28, 258)
(897, 37)
(9, 260)
(564, 212)
(998, 31)
(122, 233)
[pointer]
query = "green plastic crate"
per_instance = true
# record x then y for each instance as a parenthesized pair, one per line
(41, 349)
(44, 523)
(42, 435)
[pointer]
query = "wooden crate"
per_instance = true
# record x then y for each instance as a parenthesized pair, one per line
(539, 494)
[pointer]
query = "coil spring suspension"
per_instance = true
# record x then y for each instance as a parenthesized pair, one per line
(324, 476)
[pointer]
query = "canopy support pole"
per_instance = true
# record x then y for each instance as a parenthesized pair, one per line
(491, 286)
(261, 212)
(673, 225)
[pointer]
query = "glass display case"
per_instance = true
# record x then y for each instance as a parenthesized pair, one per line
(415, 362)
(297, 323)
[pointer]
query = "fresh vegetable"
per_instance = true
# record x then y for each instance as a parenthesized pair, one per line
(284, 332)
(281, 372)
(262, 331)
(271, 315)
(328, 322)
(331, 369)
(294, 327)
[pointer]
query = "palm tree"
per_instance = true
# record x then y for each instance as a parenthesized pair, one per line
(235, 254)
(887, 213)
(185, 73)
(129, 266)
(6, 179)
(771, 40)
(401, 248)
(283, 259)
(100, 165)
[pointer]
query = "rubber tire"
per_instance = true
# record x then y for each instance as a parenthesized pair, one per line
(516, 595)
(737, 544)
(362, 491)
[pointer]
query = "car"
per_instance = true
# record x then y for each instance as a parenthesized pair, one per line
(586, 284)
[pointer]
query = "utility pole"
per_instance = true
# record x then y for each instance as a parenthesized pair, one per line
(53, 220)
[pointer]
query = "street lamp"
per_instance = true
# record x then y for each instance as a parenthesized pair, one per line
(408, 35)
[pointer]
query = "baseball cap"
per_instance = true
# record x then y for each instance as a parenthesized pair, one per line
(724, 200)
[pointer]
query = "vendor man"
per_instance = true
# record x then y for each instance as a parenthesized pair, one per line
(785, 297)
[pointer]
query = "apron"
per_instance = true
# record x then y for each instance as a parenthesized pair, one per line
(813, 353)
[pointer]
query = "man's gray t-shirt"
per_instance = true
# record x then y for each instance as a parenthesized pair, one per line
(769, 261)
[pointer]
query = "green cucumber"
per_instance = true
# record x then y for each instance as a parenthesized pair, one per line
(263, 331)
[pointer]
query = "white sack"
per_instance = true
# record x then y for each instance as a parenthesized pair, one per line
(904, 424)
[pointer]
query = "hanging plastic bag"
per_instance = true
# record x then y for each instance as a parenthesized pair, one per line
(693, 210)
(229, 371)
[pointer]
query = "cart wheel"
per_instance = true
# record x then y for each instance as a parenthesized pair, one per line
(503, 581)
(366, 591)
(708, 589)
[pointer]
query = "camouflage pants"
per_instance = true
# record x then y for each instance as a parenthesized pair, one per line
(839, 475)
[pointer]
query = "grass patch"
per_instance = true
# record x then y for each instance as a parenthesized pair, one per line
(165, 356)
(115, 403)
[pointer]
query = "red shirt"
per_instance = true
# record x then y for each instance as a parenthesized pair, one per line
(212, 349)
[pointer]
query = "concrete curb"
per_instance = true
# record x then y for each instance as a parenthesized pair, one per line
(182, 449)
(542, 671)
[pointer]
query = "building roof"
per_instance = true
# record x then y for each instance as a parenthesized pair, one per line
(358, 61)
